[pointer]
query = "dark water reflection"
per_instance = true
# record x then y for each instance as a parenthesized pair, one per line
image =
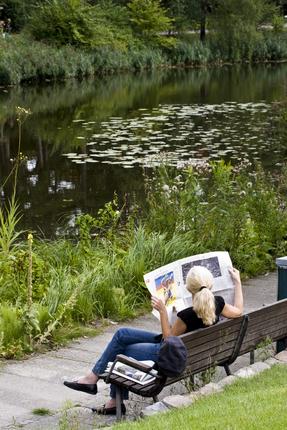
(85, 140)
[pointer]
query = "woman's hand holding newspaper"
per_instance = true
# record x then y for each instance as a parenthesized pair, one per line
(158, 304)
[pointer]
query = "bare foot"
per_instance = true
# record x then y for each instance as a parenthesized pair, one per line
(91, 378)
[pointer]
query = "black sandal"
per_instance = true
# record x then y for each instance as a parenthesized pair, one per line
(86, 388)
(102, 410)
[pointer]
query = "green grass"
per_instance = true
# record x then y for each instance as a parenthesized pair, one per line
(42, 411)
(64, 335)
(258, 403)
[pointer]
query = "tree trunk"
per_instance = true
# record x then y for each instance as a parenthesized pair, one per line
(203, 28)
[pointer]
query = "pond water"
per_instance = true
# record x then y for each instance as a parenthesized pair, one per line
(85, 140)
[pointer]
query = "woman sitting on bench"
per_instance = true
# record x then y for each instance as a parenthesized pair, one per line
(144, 345)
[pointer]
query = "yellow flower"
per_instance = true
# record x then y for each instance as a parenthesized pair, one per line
(22, 113)
(30, 237)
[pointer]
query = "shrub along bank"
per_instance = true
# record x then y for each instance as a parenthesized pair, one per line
(50, 290)
(24, 59)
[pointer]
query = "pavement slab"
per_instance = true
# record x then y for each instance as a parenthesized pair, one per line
(38, 381)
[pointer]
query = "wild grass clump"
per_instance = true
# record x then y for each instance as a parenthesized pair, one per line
(190, 52)
(22, 59)
(271, 47)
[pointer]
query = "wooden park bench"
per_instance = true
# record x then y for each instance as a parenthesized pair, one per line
(218, 345)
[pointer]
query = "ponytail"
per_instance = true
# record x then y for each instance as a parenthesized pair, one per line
(199, 283)
(204, 306)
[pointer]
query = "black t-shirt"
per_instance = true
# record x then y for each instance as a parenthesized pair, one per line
(193, 322)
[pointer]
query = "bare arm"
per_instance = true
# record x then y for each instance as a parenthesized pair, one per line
(236, 310)
(178, 327)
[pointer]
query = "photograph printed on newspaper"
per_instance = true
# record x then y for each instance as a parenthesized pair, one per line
(168, 282)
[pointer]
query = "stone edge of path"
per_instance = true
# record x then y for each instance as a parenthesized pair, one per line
(179, 401)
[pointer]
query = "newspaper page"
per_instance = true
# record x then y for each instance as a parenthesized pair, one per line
(168, 282)
(133, 374)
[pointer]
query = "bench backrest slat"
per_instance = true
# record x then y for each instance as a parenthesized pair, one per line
(214, 342)
(208, 336)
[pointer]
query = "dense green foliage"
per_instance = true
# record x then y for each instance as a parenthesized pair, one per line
(100, 272)
(77, 23)
(81, 37)
(150, 20)
(251, 404)
(63, 22)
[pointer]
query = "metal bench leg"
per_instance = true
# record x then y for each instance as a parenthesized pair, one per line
(227, 369)
(252, 357)
(119, 403)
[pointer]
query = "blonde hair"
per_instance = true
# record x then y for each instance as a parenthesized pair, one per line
(199, 282)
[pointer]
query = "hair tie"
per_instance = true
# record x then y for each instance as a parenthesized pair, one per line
(202, 288)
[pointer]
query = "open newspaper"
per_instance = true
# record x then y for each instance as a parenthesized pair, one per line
(168, 282)
(132, 374)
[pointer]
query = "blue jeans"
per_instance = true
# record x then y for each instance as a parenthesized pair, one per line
(138, 344)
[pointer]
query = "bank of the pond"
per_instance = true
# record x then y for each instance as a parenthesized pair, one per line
(23, 59)
(99, 274)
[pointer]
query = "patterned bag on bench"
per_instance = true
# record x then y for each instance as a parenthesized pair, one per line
(172, 357)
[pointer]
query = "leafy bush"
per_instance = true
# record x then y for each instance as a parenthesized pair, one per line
(63, 22)
(278, 23)
(149, 21)
(77, 23)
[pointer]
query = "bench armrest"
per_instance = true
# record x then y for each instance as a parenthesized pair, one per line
(133, 363)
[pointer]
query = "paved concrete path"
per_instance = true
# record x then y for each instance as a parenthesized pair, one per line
(37, 381)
